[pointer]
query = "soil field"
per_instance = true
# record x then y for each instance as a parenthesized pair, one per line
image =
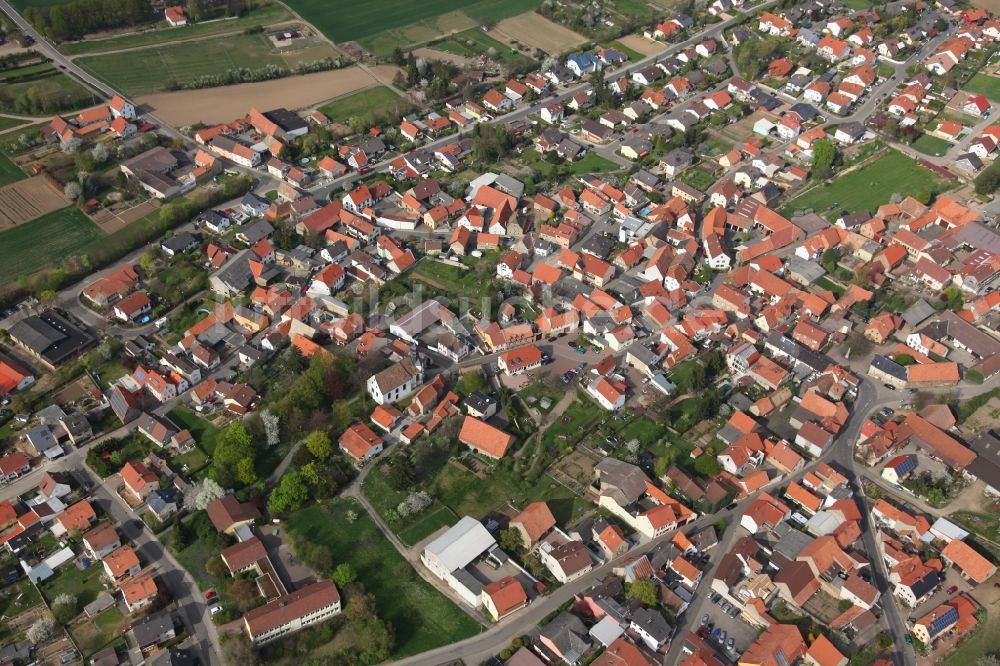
(434, 54)
(148, 70)
(217, 105)
(537, 31)
(27, 199)
(641, 44)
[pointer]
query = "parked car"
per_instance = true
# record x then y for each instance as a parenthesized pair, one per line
(704, 619)
(216, 610)
(726, 607)
(730, 643)
(210, 595)
(953, 589)
(734, 613)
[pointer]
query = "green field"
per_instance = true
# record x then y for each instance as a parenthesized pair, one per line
(359, 103)
(869, 187)
(10, 123)
(9, 172)
(265, 14)
(149, 70)
(931, 145)
(363, 21)
(632, 54)
(24, 4)
(986, 85)
(698, 179)
(422, 617)
(44, 242)
(41, 89)
(592, 163)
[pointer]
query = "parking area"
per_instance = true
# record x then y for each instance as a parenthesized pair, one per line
(565, 356)
(738, 634)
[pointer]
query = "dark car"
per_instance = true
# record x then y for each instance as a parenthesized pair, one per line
(889, 386)
(953, 589)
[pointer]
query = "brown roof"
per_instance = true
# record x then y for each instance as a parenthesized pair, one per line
(507, 594)
(101, 536)
(622, 653)
(536, 519)
(972, 564)
(291, 606)
(243, 554)
(227, 511)
(484, 438)
(139, 589)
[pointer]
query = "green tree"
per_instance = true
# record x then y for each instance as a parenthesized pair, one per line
(824, 155)
(400, 476)
(245, 471)
(291, 493)
(510, 540)
(706, 465)
(344, 574)
(319, 445)
(235, 445)
(644, 590)
(216, 568)
(829, 260)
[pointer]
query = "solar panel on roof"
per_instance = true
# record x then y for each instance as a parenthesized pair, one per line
(908, 464)
(941, 623)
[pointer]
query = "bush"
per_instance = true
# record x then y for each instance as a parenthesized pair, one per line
(975, 377)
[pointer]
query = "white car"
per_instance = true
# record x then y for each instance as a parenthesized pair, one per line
(216, 610)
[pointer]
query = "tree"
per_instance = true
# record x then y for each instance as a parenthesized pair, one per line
(360, 606)
(510, 540)
(237, 650)
(829, 260)
(706, 465)
(243, 594)
(377, 642)
(64, 607)
(216, 568)
(319, 444)
(291, 493)
(272, 428)
(344, 574)
(400, 476)
(824, 155)
(40, 630)
(644, 590)
(210, 491)
(234, 445)
(245, 472)
(72, 190)
(858, 345)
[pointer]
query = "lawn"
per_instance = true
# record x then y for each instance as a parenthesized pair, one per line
(432, 521)
(471, 283)
(93, 635)
(10, 123)
(360, 103)
(984, 524)
(84, 583)
(592, 163)
(825, 283)
(422, 617)
(204, 433)
(45, 242)
(698, 179)
(867, 188)
(150, 70)
(984, 84)
(17, 598)
(261, 14)
(632, 54)
(572, 425)
(931, 145)
(9, 172)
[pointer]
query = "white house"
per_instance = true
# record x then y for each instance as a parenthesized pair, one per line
(395, 382)
(606, 395)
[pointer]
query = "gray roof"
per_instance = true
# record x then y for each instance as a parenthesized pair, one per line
(154, 160)
(149, 630)
(809, 270)
(51, 336)
(568, 633)
(918, 313)
(462, 543)
(256, 231)
(889, 367)
(621, 481)
(653, 623)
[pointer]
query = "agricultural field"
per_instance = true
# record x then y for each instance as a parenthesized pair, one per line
(867, 188)
(26, 199)
(9, 172)
(164, 67)
(538, 32)
(41, 89)
(44, 242)
(986, 85)
(10, 123)
(382, 25)
(422, 617)
(217, 105)
(261, 14)
(638, 43)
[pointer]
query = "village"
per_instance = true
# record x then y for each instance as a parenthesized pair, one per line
(687, 357)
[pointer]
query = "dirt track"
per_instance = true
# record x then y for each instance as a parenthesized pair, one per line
(217, 105)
